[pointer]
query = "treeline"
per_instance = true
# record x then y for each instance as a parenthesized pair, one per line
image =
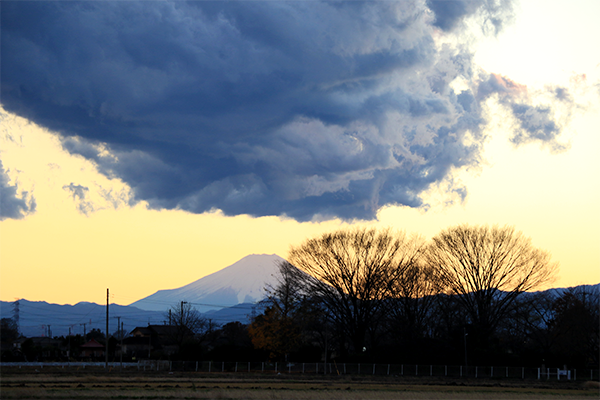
(365, 295)
(383, 296)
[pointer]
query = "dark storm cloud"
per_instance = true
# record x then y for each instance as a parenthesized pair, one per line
(301, 108)
(450, 14)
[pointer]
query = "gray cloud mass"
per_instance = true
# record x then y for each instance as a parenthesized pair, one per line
(305, 109)
(13, 205)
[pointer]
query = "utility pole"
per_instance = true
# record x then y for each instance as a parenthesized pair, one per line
(118, 326)
(326, 335)
(84, 331)
(120, 335)
(106, 347)
(16, 314)
(181, 315)
(70, 333)
(466, 363)
(121, 352)
(69, 346)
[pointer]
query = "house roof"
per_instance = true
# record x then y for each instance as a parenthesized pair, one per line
(160, 330)
(136, 340)
(164, 329)
(40, 340)
(144, 330)
(92, 344)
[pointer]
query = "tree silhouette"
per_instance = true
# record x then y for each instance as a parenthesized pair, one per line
(487, 269)
(187, 321)
(352, 272)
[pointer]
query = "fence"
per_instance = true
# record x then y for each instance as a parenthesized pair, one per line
(420, 370)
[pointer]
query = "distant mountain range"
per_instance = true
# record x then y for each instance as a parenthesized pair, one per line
(230, 294)
(38, 318)
(227, 295)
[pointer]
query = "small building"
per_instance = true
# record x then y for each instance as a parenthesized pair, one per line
(161, 338)
(92, 349)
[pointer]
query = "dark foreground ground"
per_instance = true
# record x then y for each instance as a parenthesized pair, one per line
(78, 384)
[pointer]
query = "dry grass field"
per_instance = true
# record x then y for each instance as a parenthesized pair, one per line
(17, 384)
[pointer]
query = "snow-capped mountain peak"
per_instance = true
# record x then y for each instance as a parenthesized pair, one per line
(242, 282)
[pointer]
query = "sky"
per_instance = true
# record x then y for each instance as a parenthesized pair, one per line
(145, 145)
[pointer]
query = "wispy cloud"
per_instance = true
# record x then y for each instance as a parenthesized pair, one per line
(304, 109)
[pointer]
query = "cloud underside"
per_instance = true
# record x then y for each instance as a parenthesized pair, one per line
(13, 205)
(304, 109)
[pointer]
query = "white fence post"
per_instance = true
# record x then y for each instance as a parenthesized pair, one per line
(373, 369)
(475, 371)
(538, 374)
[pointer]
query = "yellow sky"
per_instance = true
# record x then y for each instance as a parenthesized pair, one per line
(60, 255)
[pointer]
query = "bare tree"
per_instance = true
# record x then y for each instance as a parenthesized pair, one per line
(575, 326)
(487, 269)
(413, 301)
(352, 272)
(187, 322)
(278, 328)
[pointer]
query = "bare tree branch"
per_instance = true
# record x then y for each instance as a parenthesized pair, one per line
(487, 268)
(353, 272)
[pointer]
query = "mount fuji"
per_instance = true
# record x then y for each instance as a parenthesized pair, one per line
(241, 282)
